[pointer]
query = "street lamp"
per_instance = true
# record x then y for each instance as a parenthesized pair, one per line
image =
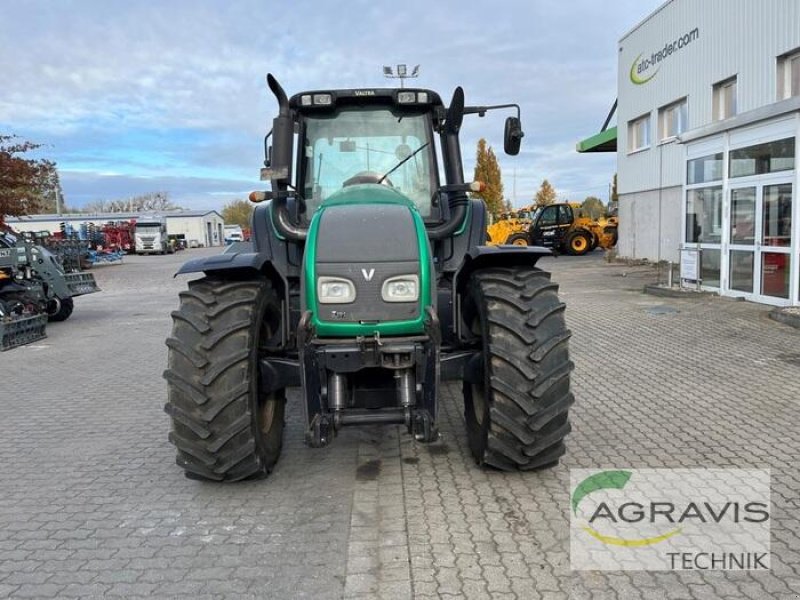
(401, 73)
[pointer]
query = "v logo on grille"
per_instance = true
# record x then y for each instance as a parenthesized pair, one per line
(368, 274)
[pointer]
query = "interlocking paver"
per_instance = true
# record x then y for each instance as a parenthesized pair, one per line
(92, 505)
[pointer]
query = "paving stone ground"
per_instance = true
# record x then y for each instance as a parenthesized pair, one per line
(93, 506)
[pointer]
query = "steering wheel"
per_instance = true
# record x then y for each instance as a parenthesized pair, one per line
(367, 177)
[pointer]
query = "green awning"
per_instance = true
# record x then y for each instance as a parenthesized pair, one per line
(605, 141)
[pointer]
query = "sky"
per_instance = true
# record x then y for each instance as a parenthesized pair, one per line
(137, 96)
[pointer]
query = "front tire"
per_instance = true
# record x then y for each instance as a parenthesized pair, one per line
(59, 309)
(518, 239)
(225, 426)
(517, 415)
(578, 243)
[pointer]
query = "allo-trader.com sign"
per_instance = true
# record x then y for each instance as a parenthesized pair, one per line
(669, 519)
(644, 68)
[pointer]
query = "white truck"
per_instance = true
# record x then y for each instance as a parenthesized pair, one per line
(151, 236)
(233, 234)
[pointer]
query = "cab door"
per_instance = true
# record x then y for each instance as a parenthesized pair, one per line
(552, 226)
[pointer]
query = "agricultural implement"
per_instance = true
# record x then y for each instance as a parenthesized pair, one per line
(38, 267)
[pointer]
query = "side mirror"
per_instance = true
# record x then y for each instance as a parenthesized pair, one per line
(512, 136)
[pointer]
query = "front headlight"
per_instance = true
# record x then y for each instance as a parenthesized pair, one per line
(404, 288)
(335, 290)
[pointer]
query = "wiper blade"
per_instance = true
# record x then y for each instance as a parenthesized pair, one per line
(402, 162)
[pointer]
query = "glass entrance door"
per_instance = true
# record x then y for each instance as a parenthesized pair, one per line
(760, 240)
(776, 240)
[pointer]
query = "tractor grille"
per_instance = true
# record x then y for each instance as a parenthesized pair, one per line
(369, 306)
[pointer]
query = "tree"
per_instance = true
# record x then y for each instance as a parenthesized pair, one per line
(614, 196)
(150, 202)
(593, 207)
(24, 182)
(487, 170)
(546, 195)
(238, 212)
(52, 200)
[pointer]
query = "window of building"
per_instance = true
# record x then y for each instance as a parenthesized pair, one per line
(704, 215)
(704, 169)
(762, 158)
(725, 99)
(672, 119)
(639, 133)
(789, 75)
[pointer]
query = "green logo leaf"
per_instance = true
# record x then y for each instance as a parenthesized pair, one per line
(615, 480)
(599, 481)
(641, 80)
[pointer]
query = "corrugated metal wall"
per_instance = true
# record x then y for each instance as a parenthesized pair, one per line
(736, 37)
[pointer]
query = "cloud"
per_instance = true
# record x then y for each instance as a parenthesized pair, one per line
(185, 191)
(174, 92)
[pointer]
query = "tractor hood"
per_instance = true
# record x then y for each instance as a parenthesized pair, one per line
(366, 244)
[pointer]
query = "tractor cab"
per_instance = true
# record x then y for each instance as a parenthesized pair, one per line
(359, 137)
(327, 140)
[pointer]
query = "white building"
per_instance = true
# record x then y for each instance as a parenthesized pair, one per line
(197, 227)
(708, 125)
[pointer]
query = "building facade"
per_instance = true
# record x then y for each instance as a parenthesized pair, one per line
(198, 228)
(708, 122)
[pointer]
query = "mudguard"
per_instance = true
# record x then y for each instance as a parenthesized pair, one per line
(229, 261)
(481, 257)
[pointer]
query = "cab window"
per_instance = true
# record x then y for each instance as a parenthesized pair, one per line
(549, 217)
(367, 146)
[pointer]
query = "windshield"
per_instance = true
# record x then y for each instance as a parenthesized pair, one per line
(363, 145)
(148, 226)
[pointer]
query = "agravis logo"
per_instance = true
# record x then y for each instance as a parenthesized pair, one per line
(611, 480)
(668, 519)
(639, 74)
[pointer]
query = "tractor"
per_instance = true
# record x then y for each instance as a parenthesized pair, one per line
(367, 285)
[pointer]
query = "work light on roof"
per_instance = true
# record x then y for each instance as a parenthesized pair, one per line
(316, 100)
(402, 73)
(406, 97)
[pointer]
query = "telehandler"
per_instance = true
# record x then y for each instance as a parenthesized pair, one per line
(561, 226)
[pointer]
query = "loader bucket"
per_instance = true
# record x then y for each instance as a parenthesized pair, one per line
(81, 283)
(25, 330)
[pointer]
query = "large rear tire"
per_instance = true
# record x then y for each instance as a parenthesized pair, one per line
(518, 415)
(224, 425)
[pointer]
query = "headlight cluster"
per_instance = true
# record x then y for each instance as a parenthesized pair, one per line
(404, 288)
(335, 290)
(338, 290)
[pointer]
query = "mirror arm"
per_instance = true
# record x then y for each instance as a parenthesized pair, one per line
(481, 110)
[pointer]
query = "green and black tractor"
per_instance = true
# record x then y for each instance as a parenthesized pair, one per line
(368, 286)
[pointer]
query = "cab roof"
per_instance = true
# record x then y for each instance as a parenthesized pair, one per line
(423, 98)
